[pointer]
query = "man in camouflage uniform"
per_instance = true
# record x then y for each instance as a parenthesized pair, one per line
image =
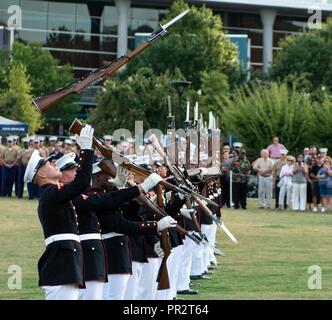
(240, 166)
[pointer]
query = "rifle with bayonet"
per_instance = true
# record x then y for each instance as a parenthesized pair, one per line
(45, 102)
(187, 127)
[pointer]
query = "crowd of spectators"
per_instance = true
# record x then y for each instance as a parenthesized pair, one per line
(298, 183)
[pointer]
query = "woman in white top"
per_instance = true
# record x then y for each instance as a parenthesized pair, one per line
(285, 183)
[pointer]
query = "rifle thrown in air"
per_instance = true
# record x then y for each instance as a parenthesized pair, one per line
(46, 102)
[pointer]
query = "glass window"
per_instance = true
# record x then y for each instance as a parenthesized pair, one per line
(244, 20)
(290, 23)
(83, 21)
(109, 20)
(61, 15)
(31, 36)
(143, 20)
(34, 14)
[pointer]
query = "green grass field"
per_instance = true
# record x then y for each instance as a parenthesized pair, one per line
(271, 260)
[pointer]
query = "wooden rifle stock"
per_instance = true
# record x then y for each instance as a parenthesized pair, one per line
(162, 278)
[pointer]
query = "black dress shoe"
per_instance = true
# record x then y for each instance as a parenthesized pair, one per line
(194, 284)
(176, 298)
(207, 272)
(212, 267)
(200, 277)
(189, 291)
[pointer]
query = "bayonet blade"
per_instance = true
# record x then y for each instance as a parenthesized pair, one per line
(175, 19)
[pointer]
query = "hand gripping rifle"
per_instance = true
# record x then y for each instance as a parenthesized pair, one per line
(180, 180)
(107, 152)
(46, 102)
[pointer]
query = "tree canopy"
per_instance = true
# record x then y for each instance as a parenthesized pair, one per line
(46, 76)
(306, 56)
(15, 99)
(258, 112)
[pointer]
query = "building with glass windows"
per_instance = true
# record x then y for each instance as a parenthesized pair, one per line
(90, 33)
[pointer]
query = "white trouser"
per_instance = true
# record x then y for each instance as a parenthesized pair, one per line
(93, 291)
(147, 286)
(173, 269)
(265, 191)
(285, 189)
(186, 258)
(64, 292)
(299, 196)
(212, 241)
(116, 286)
(207, 229)
(197, 266)
(132, 285)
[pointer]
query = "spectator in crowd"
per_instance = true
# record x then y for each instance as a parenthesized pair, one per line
(236, 149)
(323, 153)
(312, 154)
(24, 158)
(42, 146)
(276, 175)
(274, 149)
(68, 146)
(3, 143)
(313, 172)
(52, 141)
(300, 173)
(10, 157)
(325, 191)
(285, 183)
(306, 154)
(264, 167)
(240, 167)
(57, 152)
(225, 167)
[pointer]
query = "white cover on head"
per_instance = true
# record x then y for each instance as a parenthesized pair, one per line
(31, 171)
(65, 160)
(53, 138)
(237, 145)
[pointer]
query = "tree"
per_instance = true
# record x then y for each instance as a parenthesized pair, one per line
(195, 44)
(45, 76)
(15, 100)
(322, 122)
(215, 91)
(141, 97)
(307, 56)
(257, 113)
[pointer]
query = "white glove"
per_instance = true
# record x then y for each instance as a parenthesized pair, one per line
(203, 171)
(152, 180)
(84, 140)
(186, 212)
(166, 222)
(158, 250)
(121, 178)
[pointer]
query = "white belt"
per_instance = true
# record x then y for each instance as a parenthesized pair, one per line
(62, 236)
(111, 235)
(90, 236)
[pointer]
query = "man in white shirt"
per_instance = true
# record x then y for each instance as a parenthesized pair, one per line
(264, 167)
